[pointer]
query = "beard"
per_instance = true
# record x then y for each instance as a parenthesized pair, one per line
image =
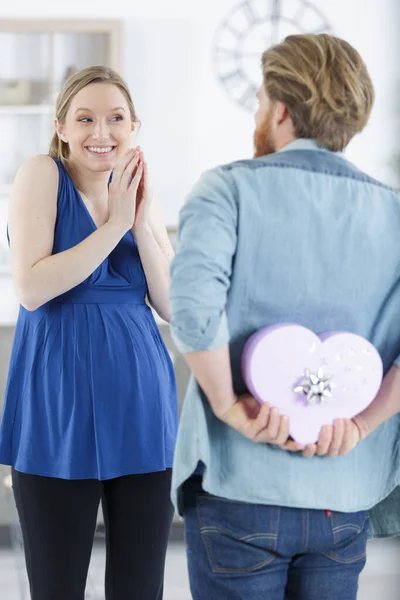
(263, 139)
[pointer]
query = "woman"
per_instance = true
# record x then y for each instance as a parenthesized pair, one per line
(90, 411)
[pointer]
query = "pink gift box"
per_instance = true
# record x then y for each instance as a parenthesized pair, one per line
(313, 379)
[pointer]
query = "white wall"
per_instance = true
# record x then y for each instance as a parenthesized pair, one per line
(188, 123)
(159, 59)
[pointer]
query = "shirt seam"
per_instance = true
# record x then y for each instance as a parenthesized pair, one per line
(361, 178)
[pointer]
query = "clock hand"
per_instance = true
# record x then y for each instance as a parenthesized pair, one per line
(298, 16)
(276, 9)
(275, 16)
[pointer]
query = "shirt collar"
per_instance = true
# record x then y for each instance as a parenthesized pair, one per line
(306, 144)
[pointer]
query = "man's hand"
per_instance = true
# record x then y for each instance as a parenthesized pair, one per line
(262, 424)
(257, 422)
(335, 440)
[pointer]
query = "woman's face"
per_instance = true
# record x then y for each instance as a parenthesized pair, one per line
(97, 127)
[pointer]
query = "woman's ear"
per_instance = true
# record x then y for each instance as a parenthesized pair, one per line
(60, 130)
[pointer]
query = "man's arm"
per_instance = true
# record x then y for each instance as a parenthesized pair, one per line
(385, 405)
(200, 280)
(259, 423)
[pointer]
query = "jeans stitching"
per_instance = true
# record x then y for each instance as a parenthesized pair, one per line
(203, 528)
(256, 567)
(277, 525)
(307, 529)
(340, 528)
(304, 528)
(245, 538)
(253, 536)
(356, 530)
(345, 561)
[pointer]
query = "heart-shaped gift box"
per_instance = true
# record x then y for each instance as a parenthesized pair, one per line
(313, 379)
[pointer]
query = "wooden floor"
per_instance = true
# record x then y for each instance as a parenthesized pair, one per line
(380, 580)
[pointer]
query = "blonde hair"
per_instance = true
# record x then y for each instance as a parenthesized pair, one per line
(325, 85)
(97, 74)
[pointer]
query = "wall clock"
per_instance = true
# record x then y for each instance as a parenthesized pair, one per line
(250, 28)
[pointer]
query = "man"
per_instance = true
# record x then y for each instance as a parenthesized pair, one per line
(297, 234)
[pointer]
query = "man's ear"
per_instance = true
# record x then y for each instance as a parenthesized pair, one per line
(281, 112)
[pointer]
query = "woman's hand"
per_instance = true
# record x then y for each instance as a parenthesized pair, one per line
(144, 196)
(123, 190)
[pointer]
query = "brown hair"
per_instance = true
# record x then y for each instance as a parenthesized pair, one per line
(97, 74)
(325, 85)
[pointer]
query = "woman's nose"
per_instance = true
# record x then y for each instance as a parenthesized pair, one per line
(101, 130)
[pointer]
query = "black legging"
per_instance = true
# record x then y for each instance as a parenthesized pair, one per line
(58, 520)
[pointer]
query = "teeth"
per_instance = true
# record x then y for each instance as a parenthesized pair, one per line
(100, 150)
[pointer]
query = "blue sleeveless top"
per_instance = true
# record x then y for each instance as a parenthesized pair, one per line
(91, 388)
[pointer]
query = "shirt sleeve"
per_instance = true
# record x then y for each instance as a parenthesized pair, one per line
(201, 270)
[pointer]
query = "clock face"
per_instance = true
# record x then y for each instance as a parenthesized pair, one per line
(247, 31)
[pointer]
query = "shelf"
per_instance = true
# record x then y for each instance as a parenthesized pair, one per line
(26, 109)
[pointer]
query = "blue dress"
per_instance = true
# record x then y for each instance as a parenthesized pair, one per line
(91, 388)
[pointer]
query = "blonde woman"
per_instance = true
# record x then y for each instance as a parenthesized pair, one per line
(90, 412)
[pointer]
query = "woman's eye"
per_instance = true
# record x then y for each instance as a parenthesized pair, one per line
(89, 120)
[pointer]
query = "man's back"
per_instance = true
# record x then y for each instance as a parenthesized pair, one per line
(299, 236)
(318, 244)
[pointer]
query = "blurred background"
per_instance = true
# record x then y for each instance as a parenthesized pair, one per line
(193, 69)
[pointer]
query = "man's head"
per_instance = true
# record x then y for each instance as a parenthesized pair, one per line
(314, 86)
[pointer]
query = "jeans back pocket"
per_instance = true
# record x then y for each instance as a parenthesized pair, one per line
(349, 535)
(238, 537)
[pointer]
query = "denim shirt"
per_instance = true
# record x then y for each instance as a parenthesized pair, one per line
(299, 236)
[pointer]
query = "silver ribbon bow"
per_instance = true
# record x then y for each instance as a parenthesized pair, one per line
(316, 386)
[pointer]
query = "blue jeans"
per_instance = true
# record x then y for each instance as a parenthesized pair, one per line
(240, 551)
